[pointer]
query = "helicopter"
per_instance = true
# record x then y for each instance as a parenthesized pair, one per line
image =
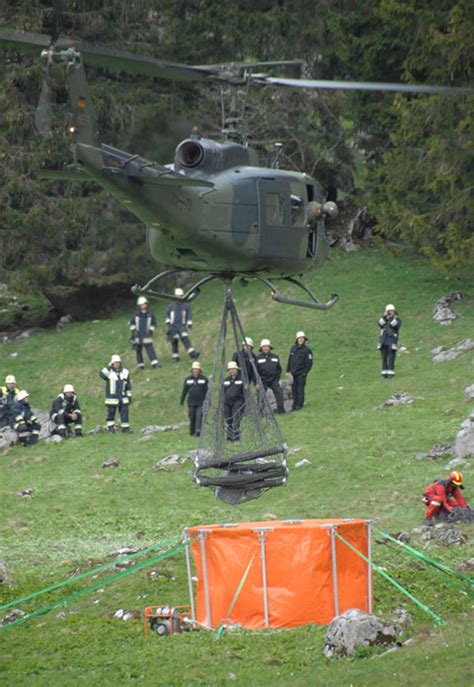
(214, 209)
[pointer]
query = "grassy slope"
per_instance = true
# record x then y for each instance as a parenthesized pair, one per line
(361, 465)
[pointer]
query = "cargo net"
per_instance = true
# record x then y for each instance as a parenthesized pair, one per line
(241, 451)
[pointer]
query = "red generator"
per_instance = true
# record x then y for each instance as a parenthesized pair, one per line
(167, 620)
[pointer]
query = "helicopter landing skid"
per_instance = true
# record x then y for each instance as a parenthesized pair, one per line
(193, 292)
(190, 294)
(277, 296)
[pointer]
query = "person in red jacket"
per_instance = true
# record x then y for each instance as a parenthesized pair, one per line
(443, 496)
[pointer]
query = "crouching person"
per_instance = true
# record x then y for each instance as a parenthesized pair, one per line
(66, 411)
(443, 496)
(118, 392)
(25, 423)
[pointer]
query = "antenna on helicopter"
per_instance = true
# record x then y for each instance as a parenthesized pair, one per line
(278, 152)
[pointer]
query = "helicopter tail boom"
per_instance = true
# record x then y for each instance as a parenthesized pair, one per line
(84, 118)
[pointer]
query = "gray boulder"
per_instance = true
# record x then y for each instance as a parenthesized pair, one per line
(457, 463)
(403, 399)
(15, 614)
(8, 438)
(152, 429)
(47, 427)
(287, 396)
(443, 535)
(442, 356)
(464, 443)
(5, 577)
(63, 322)
(437, 451)
(442, 312)
(469, 392)
(172, 459)
(354, 629)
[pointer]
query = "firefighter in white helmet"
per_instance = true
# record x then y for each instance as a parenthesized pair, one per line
(118, 393)
(247, 360)
(66, 411)
(24, 421)
(269, 370)
(178, 321)
(300, 362)
(142, 326)
(234, 401)
(195, 388)
(390, 324)
(8, 394)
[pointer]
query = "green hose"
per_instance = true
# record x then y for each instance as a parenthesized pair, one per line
(70, 580)
(98, 585)
(438, 620)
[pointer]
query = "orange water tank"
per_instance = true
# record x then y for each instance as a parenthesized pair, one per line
(289, 573)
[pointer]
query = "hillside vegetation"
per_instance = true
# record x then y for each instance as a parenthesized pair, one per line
(362, 464)
(408, 159)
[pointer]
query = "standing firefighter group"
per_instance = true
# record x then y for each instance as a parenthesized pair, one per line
(246, 367)
(261, 368)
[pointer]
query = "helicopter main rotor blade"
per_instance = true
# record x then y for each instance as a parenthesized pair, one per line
(325, 84)
(108, 57)
(24, 41)
(120, 60)
(231, 73)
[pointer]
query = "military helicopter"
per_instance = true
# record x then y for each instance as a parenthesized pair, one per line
(214, 209)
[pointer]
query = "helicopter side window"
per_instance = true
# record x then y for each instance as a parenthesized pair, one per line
(275, 209)
(297, 209)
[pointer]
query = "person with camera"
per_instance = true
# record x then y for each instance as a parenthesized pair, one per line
(389, 324)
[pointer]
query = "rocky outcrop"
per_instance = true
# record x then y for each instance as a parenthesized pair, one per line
(442, 312)
(354, 629)
(440, 355)
(464, 443)
(403, 399)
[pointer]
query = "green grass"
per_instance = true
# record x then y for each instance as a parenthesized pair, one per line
(361, 465)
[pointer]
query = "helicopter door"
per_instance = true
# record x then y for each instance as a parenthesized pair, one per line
(274, 203)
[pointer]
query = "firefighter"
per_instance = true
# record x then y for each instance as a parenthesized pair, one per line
(269, 370)
(234, 401)
(300, 362)
(8, 395)
(142, 325)
(390, 324)
(178, 320)
(195, 389)
(118, 392)
(443, 496)
(24, 421)
(67, 411)
(247, 358)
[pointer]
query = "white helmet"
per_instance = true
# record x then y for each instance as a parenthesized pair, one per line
(179, 292)
(115, 359)
(10, 379)
(301, 335)
(141, 300)
(265, 342)
(232, 365)
(22, 395)
(247, 342)
(390, 306)
(68, 388)
(196, 365)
